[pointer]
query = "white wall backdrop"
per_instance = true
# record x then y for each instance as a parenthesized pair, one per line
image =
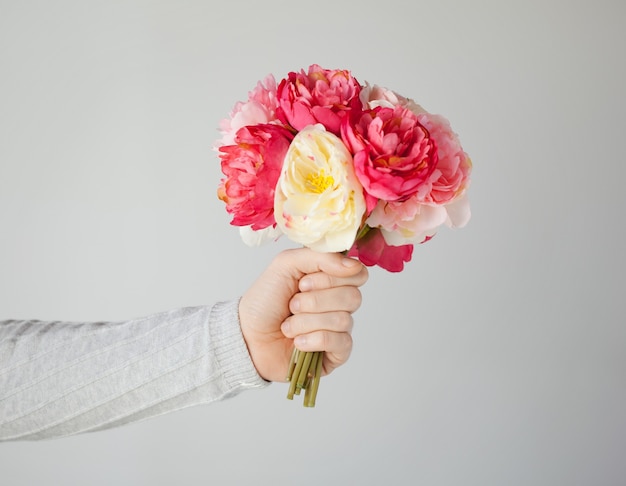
(498, 357)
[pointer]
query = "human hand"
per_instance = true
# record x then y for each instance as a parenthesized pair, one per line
(303, 298)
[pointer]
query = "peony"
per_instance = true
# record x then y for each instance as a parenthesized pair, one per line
(413, 222)
(319, 202)
(394, 154)
(260, 108)
(372, 249)
(407, 221)
(252, 167)
(325, 160)
(450, 178)
(372, 96)
(339, 167)
(318, 96)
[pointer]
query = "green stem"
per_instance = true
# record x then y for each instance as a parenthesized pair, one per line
(363, 231)
(294, 376)
(310, 377)
(308, 356)
(316, 381)
(292, 363)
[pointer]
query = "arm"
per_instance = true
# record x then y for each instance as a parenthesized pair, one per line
(59, 378)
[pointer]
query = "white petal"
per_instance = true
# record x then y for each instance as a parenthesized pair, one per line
(425, 223)
(458, 212)
(256, 238)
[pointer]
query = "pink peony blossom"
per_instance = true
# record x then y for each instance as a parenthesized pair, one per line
(260, 108)
(407, 221)
(372, 250)
(317, 96)
(372, 96)
(451, 176)
(252, 167)
(459, 212)
(286, 150)
(411, 221)
(394, 154)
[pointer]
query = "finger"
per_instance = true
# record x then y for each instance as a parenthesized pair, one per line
(337, 346)
(346, 299)
(332, 361)
(301, 261)
(321, 280)
(298, 324)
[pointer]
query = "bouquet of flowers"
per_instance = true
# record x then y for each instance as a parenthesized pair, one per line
(339, 166)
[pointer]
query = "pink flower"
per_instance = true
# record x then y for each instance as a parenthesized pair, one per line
(318, 96)
(394, 154)
(260, 108)
(252, 167)
(411, 221)
(323, 160)
(373, 96)
(372, 250)
(451, 176)
(407, 221)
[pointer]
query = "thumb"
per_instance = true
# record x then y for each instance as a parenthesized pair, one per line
(302, 261)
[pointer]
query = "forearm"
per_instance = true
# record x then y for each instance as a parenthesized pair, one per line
(58, 379)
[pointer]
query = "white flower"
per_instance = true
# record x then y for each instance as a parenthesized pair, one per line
(319, 202)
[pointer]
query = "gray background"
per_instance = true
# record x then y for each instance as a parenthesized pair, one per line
(496, 358)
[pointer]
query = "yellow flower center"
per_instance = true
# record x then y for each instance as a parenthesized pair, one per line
(319, 182)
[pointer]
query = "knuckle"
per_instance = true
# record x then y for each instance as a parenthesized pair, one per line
(344, 321)
(301, 326)
(321, 281)
(297, 325)
(326, 341)
(346, 346)
(283, 257)
(348, 343)
(306, 302)
(355, 298)
(319, 302)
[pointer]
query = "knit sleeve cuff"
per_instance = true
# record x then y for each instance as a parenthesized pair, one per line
(231, 352)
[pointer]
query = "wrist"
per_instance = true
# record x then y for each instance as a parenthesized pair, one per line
(230, 349)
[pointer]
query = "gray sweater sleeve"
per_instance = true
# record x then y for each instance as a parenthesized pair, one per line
(62, 378)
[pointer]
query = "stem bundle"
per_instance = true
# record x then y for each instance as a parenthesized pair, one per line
(305, 371)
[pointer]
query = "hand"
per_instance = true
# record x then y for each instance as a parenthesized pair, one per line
(303, 298)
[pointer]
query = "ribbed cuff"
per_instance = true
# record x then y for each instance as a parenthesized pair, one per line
(230, 348)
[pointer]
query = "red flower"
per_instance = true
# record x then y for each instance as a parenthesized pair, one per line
(394, 155)
(319, 96)
(372, 250)
(252, 167)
